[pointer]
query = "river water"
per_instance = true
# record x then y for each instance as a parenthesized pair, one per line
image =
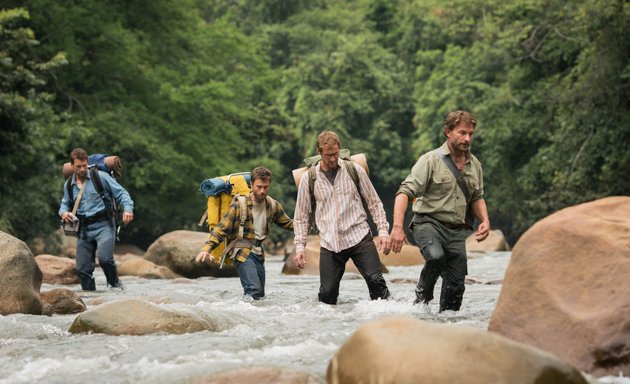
(288, 328)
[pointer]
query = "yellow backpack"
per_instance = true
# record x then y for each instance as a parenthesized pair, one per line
(220, 192)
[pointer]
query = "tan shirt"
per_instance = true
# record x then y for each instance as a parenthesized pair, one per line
(435, 189)
(339, 213)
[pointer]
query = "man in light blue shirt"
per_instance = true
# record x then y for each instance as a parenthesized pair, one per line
(97, 227)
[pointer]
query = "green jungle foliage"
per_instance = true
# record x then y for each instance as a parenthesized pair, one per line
(190, 89)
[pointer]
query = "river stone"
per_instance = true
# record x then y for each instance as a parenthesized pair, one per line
(57, 270)
(140, 317)
(405, 350)
(495, 242)
(62, 301)
(177, 251)
(566, 289)
(408, 255)
(312, 261)
(259, 375)
(138, 266)
(21, 278)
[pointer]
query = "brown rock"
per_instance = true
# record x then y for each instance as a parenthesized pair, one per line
(312, 261)
(408, 255)
(63, 301)
(57, 270)
(21, 278)
(494, 243)
(121, 249)
(259, 375)
(406, 350)
(137, 266)
(140, 317)
(177, 251)
(566, 288)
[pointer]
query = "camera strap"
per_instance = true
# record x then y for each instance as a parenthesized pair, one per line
(76, 202)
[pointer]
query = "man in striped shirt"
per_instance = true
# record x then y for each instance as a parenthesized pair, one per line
(342, 222)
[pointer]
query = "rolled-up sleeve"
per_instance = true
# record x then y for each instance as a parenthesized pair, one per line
(374, 203)
(416, 182)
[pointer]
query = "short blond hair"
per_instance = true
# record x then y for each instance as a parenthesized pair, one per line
(327, 138)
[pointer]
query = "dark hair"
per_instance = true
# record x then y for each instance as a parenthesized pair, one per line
(79, 154)
(261, 173)
(327, 138)
(453, 119)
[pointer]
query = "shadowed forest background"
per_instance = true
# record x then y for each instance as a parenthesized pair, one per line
(192, 89)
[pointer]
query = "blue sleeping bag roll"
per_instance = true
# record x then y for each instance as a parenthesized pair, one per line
(219, 185)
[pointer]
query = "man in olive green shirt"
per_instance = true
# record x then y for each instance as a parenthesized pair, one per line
(440, 205)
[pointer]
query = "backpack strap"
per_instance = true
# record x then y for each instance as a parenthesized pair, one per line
(273, 204)
(98, 184)
(312, 175)
(450, 164)
(242, 202)
(111, 205)
(348, 164)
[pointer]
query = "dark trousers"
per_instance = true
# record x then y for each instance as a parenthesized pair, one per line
(332, 266)
(444, 252)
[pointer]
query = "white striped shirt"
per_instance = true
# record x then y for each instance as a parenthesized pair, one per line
(339, 213)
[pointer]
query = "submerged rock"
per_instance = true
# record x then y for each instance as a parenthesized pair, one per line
(259, 375)
(62, 301)
(140, 317)
(406, 350)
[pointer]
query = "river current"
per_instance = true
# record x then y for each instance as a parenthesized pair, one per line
(288, 328)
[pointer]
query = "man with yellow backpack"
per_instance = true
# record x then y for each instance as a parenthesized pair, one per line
(246, 224)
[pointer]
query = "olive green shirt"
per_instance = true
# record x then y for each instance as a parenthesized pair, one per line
(434, 190)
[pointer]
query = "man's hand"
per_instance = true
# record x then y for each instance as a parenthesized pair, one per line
(300, 259)
(398, 238)
(482, 231)
(127, 217)
(202, 256)
(383, 243)
(67, 217)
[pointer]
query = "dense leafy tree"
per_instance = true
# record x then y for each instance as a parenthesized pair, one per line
(31, 134)
(188, 89)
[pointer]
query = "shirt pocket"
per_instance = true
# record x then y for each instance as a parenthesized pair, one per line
(443, 181)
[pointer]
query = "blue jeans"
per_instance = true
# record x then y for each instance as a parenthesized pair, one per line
(92, 236)
(252, 274)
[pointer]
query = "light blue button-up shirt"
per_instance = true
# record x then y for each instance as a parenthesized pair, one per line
(91, 203)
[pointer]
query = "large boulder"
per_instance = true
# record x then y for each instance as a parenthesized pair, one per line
(406, 350)
(312, 261)
(21, 278)
(140, 317)
(495, 242)
(566, 288)
(137, 266)
(57, 270)
(259, 375)
(177, 251)
(62, 301)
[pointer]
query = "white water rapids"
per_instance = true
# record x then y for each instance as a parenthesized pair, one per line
(288, 328)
